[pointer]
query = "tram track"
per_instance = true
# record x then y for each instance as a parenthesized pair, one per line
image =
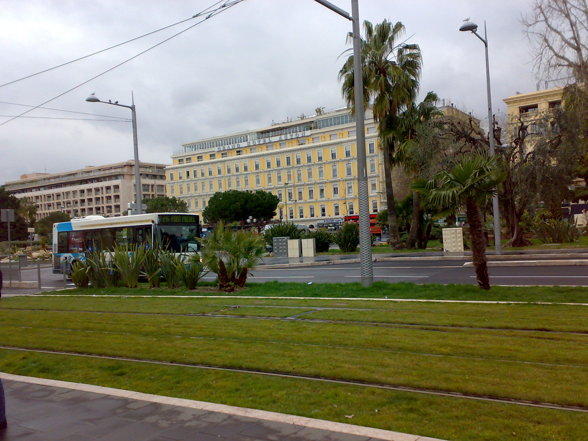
(323, 379)
(296, 318)
(316, 345)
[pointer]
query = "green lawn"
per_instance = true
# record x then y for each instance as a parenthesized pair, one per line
(533, 352)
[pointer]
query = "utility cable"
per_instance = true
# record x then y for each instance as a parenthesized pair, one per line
(65, 111)
(203, 12)
(227, 5)
(69, 119)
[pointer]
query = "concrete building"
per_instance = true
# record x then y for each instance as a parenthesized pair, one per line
(533, 110)
(95, 190)
(310, 164)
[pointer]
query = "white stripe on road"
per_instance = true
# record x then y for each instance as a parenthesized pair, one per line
(393, 277)
(536, 277)
(283, 277)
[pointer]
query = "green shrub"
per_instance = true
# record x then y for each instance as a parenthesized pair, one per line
(100, 270)
(192, 272)
(347, 237)
(230, 254)
(79, 274)
(172, 266)
(152, 267)
(285, 229)
(322, 238)
(556, 231)
(128, 262)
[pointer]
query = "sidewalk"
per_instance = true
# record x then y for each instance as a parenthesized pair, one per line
(49, 410)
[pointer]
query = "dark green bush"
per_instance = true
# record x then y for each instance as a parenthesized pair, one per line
(347, 237)
(322, 238)
(556, 231)
(285, 229)
(79, 274)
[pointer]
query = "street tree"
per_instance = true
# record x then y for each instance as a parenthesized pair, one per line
(468, 185)
(559, 31)
(414, 156)
(240, 206)
(44, 226)
(391, 72)
(18, 228)
(165, 204)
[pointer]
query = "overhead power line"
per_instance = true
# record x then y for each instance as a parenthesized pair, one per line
(65, 111)
(203, 12)
(70, 119)
(225, 6)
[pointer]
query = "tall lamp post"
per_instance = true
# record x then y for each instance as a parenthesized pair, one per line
(365, 236)
(472, 27)
(138, 209)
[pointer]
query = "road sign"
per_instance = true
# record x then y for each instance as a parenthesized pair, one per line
(6, 215)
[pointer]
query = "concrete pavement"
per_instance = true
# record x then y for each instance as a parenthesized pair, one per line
(50, 410)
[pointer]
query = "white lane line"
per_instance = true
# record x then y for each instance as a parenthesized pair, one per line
(332, 268)
(392, 277)
(283, 277)
(536, 277)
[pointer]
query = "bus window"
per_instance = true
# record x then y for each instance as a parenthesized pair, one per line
(62, 242)
(76, 242)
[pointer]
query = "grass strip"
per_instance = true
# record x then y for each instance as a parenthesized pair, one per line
(480, 374)
(400, 290)
(440, 417)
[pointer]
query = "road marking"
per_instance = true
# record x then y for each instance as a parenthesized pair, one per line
(536, 277)
(283, 277)
(392, 277)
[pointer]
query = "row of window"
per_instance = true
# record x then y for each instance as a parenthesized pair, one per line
(238, 167)
(319, 154)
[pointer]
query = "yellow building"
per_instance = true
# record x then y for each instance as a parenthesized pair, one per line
(532, 109)
(310, 164)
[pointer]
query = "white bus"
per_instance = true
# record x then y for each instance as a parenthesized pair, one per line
(178, 232)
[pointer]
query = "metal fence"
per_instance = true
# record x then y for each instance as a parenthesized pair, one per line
(18, 272)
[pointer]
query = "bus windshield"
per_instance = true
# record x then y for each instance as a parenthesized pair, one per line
(178, 238)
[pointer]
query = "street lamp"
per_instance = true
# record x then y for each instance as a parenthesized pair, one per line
(365, 235)
(138, 209)
(472, 27)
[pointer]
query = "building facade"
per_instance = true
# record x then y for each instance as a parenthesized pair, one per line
(310, 164)
(530, 112)
(97, 190)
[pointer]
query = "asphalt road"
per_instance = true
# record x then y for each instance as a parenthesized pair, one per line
(518, 273)
(513, 272)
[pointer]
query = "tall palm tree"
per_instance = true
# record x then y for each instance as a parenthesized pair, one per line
(391, 72)
(411, 156)
(470, 183)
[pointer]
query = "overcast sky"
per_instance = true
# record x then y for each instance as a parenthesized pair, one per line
(260, 62)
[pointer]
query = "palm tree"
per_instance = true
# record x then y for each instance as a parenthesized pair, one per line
(469, 184)
(391, 72)
(411, 156)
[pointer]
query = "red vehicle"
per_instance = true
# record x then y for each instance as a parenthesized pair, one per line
(375, 227)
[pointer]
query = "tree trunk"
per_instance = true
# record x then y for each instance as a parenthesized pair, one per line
(415, 221)
(474, 216)
(390, 200)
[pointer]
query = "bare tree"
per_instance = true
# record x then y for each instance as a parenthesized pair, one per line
(559, 29)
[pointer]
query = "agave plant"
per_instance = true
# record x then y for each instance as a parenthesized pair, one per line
(152, 267)
(172, 266)
(230, 254)
(128, 261)
(79, 274)
(192, 271)
(100, 271)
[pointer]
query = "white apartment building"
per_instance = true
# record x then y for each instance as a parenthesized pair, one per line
(104, 190)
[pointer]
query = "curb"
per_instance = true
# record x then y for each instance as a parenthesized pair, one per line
(222, 408)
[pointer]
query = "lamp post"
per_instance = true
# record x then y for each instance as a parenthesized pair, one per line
(472, 27)
(138, 190)
(365, 236)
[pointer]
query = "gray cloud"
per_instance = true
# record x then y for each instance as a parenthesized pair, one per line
(262, 61)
